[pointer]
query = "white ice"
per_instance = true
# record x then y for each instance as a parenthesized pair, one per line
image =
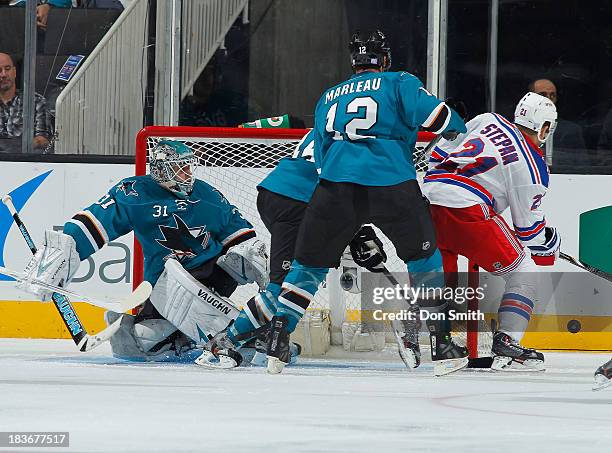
(317, 406)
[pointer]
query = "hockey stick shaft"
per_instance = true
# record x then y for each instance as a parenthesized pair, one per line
(72, 322)
(586, 267)
(139, 295)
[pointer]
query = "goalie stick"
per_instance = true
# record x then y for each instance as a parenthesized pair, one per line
(81, 338)
(137, 297)
(586, 267)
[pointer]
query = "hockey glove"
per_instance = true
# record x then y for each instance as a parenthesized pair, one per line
(247, 262)
(545, 254)
(367, 250)
(54, 263)
(458, 106)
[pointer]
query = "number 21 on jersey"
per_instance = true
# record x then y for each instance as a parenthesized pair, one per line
(367, 107)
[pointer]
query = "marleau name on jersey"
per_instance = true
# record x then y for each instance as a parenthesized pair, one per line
(353, 87)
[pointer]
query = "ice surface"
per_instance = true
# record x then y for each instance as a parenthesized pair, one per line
(317, 406)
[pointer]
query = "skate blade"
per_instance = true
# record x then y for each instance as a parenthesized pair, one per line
(447, 366)
(223, 362)
(501, 363)
(275, 366)
(601, 382)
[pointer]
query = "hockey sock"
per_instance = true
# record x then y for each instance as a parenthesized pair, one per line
(514, 314)
(257, 311)
(299, 288)
(428, 273)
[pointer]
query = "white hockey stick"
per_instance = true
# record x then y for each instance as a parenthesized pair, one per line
(137, 297)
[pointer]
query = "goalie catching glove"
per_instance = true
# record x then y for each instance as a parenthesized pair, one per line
(545, 254)
(55, 263)
(247, 262)
(367, 250)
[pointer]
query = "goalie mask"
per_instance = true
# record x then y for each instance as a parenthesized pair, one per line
(370, 50)
(534, 112)
(172, 164)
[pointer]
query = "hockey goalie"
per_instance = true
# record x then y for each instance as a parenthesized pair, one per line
(493, 166)
(197, 249)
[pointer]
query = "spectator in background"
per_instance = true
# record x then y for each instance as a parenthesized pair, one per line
(42, 10)
(11, 108)
(568, 147)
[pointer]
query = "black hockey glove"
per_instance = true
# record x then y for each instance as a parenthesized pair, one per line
(459, 107)
(367, 250)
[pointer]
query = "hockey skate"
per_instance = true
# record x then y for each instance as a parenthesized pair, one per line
(508, 355)
(407, 338)
(278, 350)
(603, 376)
(220, 353)
(261, 346)
(446, 356)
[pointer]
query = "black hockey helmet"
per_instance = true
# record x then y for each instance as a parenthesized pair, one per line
(370, 50)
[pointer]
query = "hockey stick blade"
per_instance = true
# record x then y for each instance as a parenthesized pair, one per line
(139, 295)
(586, 267)
(90, 342)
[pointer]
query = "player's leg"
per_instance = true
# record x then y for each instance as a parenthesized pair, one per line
(464, 231)
(282, 217)
(402, 213)
(331, 220)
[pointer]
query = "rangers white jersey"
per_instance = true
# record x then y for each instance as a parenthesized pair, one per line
(495, 164)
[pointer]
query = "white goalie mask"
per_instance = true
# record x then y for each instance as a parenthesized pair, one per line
(172, 164)
(533, 112)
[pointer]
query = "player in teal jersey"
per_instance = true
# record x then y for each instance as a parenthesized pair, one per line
(196, 247)
(365, 133)
(281, 202)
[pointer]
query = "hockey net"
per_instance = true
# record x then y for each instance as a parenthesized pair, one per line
(235, 161)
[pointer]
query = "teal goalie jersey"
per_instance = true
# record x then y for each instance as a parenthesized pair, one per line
(192, 230)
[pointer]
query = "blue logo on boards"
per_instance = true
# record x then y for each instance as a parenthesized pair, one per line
(20, 196)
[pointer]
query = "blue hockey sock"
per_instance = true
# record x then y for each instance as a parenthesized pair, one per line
(298, 290)
(256, 312)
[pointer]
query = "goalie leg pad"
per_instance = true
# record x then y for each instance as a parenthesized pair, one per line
(247, 262)
(194, 309)
(151, 340)
(54, 263)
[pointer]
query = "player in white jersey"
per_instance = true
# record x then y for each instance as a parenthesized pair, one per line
(493, 166)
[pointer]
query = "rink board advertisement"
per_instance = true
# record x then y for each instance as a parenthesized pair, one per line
(46, 195)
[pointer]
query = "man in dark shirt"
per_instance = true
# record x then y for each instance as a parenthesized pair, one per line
(568, 147)
(11, 108)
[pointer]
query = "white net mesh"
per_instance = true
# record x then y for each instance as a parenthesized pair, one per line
(235, 161)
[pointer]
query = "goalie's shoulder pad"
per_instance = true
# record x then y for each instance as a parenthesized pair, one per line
(247, 262)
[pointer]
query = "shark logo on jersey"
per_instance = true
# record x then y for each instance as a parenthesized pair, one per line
(185, 242)
(127, 187)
